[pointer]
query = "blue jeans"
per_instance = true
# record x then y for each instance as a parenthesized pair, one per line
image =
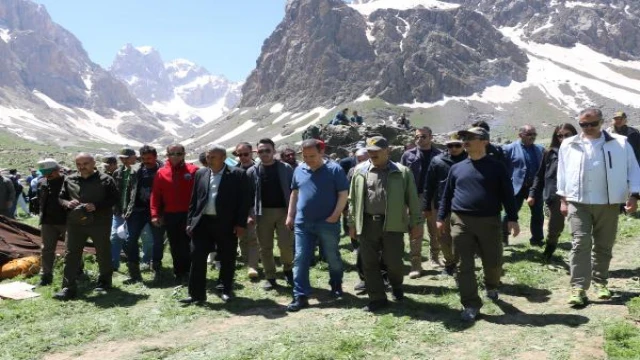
(139, 223)
(307, 236)
(116, 242)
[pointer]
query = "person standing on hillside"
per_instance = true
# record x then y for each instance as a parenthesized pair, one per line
(137, 215)
(123, 178)
(380, 194)
(53, 217)
(248, 242)
(476, 190)
(271, 190)
(418, 160)
(545, 187)
(434, 188)
(619, 126)
(318, 196)
(525, 157)
(7, 196)
(597, 173)
(170, 196)
(89, 197)
(218, 210)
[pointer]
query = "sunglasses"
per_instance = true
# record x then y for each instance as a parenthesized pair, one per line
(176, 154)
(289, 155)
(530, 134)
(454, 145)
(243, 154)
(264, 151)
(564, 136)
(589, 124)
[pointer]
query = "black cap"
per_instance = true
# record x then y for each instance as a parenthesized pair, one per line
(126, 152)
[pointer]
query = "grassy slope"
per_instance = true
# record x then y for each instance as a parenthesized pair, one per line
(145, 322)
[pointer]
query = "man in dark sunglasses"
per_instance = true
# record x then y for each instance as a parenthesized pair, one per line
(248, 242)
(418, 161)
(525, 158)
(434, 188)
(619, 126)
(597, 173)
(170, 196)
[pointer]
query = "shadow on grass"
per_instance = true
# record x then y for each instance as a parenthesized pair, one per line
(519, 253)
(115, 297)
(427, 289)
(624, 273)
(427, 311)
(618, 297)
(242, 306)
(514, 316)
(530, 293)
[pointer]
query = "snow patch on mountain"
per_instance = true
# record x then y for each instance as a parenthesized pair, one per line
(368, 7)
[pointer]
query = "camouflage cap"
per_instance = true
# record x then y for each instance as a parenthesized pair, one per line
(620, 114)
(454, 137)
(377, 143)
(474, 131)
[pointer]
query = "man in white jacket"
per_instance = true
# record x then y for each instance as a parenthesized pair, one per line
(597, 172)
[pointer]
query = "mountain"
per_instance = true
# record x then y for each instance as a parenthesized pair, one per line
(50, 89)
(178, 88)
(444, 63)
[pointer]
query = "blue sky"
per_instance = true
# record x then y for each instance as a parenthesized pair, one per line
(223, 36)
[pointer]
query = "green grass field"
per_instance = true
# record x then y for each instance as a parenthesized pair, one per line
(145, 321)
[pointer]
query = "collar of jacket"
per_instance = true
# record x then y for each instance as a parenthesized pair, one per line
(368, 165)
(578, 138)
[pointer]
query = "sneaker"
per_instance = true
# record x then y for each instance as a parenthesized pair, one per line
(538, 243)
(603, 293)
(448, 270)
(252, 273)
(298, 303)
(102, 286)
(376, 305)
(469, 314)
(397, 294)
(493, 294)
(435, 262)
(414, 274)
(336, 291)
(578, 297)
(65, 294)
(269, 284)
(45, 280)
(361, 286)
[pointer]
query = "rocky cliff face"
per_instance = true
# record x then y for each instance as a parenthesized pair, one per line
(178, 88)
(50, 87)
(325, 52)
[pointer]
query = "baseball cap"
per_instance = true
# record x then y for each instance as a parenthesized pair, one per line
(620, 114)
(377, 143)
(126, 151)
(47, 166)
(454, 137)
(477, 131)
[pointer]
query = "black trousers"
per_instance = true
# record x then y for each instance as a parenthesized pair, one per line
(176, 227)
(210, 233)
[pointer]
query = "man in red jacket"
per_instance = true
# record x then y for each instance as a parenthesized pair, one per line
(170, 198)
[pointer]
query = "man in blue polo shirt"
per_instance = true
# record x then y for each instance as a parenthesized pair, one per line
(318, 196)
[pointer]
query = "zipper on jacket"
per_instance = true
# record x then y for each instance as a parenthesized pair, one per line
(606, 175)
(610, 163)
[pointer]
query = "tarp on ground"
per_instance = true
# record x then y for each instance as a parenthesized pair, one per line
(19, 240)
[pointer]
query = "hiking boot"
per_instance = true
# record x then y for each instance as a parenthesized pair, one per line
(45, 280)
(336, 291)
(298, 303)
(435, 261)
(416, 268)
(449, 270)
(469, 314)
(578, 297)
(376, 305)
(603, 293)
(134, 273)
(288, 274)
(102, 285)
(397, 294)
(269, 284)
(360, 287)
(252, 273)
(493, 295)
(538, 243)
(65, 294)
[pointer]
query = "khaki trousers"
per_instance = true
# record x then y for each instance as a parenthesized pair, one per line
(249, 247)
(374, 241)
(446, 244)
(593, 230)
(476, 235)
(273, 219)
(50, 236)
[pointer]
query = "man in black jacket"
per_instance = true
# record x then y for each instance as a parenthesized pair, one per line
(434, 188)
(217, 215)
(53, 217)
(619, 126)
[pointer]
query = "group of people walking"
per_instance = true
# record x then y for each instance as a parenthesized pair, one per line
(460, 192)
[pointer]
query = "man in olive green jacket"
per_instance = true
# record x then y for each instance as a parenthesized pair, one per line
(384, 204)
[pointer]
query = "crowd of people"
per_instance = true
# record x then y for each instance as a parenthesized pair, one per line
(468, 193)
